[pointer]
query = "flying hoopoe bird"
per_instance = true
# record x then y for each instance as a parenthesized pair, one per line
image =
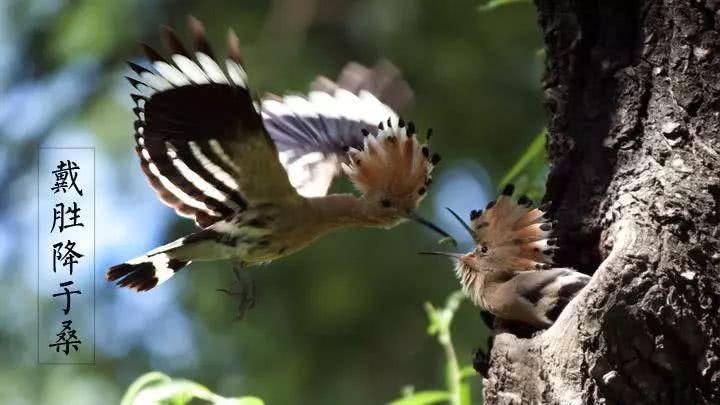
(510, 273)
(255, 176)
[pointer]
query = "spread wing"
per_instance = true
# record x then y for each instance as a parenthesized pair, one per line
(313, 132)
(200, 139)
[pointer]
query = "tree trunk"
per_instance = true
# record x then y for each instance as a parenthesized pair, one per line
(633, 91)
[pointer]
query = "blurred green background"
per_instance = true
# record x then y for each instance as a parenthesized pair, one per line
(341, 322)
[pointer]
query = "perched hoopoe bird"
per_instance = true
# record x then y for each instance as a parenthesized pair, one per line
(510, 273)
(255, 176)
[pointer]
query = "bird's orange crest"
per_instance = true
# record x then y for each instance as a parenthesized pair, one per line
(393, 167)
(513, 235)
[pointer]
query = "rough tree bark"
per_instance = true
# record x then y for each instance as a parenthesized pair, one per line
(633, 92)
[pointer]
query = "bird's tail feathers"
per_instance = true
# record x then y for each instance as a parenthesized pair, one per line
(156, 266)
(145, 272)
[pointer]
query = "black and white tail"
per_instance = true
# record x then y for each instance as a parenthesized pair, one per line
(145, 272)
(157, 266)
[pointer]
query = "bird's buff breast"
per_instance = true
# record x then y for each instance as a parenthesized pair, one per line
(288, 231)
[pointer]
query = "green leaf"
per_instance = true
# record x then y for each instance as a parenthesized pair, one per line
(453, 302)
(180, 392)
(434, 321)
(423, 398)
(158, 388)
(250, 401)
(534, 152)
(493, 4)
(142, 381)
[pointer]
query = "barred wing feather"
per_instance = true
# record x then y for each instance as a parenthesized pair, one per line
(313, 132)
(200, 139)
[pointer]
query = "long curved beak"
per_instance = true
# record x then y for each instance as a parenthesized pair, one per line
(417, 218)
(463, 223)
(453, 255)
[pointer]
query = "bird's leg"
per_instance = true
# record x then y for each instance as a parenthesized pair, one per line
(246, 290)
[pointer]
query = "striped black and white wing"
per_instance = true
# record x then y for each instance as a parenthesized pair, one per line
(548, 291)
(200, 139)
(312, 132)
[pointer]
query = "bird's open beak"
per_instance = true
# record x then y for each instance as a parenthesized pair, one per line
(417, 218)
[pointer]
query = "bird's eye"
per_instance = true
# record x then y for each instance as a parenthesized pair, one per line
(385, 203)
(483, 249)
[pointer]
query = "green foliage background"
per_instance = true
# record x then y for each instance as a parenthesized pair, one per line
(342, 321)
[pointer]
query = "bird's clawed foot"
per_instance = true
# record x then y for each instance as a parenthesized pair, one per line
(245, 292)
(481, 358)
(481, 362)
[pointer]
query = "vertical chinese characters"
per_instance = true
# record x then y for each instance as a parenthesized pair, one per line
(66, 252)
(66, 255)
